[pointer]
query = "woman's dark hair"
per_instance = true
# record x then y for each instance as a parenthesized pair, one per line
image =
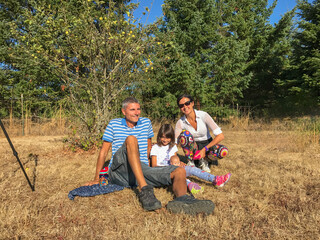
(166, 130)
(184, 96)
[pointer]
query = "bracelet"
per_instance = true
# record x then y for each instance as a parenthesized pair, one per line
(205, 147)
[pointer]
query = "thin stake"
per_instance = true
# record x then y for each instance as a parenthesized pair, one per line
(16, 154)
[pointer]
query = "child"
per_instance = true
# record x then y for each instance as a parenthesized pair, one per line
(164, 153)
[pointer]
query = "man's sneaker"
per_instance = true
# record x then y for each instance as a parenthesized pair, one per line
(148, 200)
(189, 205)
(203, 164)
(220, 181)
(194, 188)
(191, 163)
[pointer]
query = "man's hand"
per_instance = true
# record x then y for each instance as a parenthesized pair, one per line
(91, 183)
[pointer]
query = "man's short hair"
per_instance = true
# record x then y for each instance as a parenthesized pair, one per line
(129, 100)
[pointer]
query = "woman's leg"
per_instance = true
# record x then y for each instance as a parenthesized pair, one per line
(188, 144)
(217, 151)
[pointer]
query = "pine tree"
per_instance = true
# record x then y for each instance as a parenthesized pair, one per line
(209, 49)
(303, 78)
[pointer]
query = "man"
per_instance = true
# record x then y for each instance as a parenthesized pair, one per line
(130, 138)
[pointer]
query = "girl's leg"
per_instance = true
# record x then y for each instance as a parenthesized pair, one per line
(194, 171)
(218, 181)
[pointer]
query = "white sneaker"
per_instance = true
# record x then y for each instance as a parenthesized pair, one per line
(191, 163)
(203, 164)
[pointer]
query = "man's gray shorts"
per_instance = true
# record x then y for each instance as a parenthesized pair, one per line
(120, 172)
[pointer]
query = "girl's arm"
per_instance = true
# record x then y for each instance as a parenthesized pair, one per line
(149, 149)
(153, 161)
(177, 130)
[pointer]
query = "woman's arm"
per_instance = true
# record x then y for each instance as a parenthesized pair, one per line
(214, 141)
(216, 131)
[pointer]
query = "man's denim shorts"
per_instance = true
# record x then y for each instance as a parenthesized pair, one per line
(120, 172)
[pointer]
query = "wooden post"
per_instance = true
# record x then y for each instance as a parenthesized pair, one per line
(60, 123)
(237, 109)
(26, 122)
(11, 112)
(22, 115)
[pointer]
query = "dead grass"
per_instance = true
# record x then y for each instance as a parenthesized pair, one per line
(274, 193)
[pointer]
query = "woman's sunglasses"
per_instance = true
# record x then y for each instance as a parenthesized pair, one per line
(186, 103)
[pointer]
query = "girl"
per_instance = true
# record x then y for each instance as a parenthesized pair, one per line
(164, 153)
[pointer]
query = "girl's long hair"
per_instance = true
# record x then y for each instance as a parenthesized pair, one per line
(166, 130)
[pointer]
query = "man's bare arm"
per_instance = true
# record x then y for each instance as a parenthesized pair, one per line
(100, 162)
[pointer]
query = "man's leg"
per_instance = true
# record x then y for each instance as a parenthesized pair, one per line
(146, 195)
(184, 203)
(134, 160)
(179, 185)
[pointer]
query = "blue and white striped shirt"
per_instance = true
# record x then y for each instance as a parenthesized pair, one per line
(117, 131)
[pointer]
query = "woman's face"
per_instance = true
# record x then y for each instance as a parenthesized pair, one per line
(186, 106)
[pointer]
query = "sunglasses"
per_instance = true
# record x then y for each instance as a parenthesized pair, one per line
(186, 103)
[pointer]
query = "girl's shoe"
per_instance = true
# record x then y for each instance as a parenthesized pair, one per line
(194, 188)
(220, 181)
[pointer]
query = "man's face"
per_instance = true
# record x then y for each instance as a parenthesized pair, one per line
(132, 113)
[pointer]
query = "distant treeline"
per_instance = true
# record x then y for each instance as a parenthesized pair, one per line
(85, 57)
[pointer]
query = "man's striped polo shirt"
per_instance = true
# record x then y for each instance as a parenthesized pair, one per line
(117, 131)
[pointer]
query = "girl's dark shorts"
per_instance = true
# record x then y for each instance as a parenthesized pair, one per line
(120, 172)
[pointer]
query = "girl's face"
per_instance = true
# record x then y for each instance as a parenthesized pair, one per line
(165, 141)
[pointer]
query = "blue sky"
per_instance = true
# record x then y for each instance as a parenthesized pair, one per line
(282, 7)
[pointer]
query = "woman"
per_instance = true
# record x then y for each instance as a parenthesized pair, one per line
(197, 125)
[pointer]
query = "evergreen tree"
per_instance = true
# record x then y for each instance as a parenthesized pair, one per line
(209, 49)
(303, 78)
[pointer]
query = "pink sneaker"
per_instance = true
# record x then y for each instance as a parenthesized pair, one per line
(220, 181)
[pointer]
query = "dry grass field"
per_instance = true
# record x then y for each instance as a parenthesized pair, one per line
(274, 193)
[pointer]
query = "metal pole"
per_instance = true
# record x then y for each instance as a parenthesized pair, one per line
(16, 154)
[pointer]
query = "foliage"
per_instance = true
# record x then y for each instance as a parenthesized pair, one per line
(20, 74)
(209, 49)
(92, 51)
(302, 81)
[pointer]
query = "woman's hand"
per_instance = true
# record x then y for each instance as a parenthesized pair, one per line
(200, 154)
(91, 183)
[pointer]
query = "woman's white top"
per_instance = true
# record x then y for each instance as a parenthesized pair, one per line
(204, 124)
(163, 154)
